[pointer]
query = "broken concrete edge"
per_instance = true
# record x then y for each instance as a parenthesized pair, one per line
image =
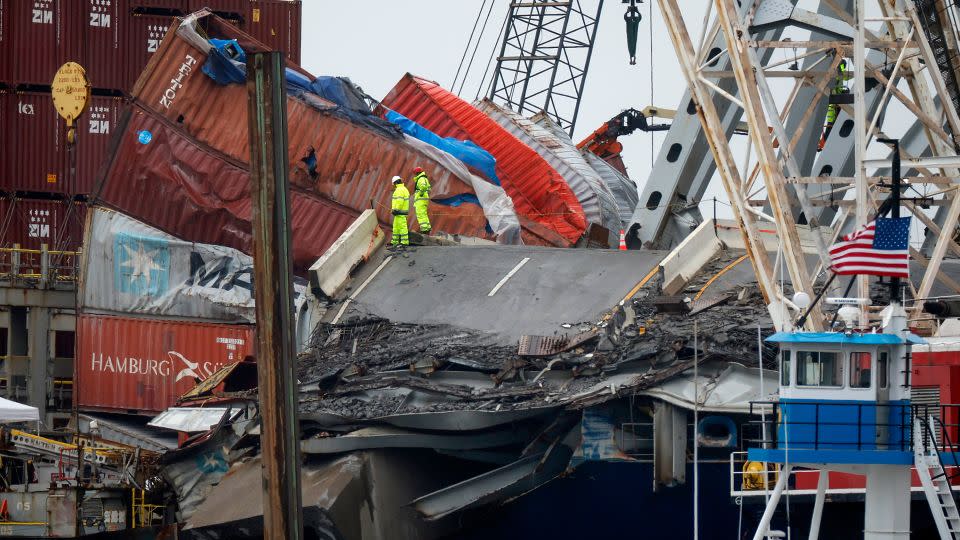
(354, 246)
(689, 257)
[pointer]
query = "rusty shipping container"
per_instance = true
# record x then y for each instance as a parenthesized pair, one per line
(276, 23)
(32, 222)
(143, 36)
(35, 145)
(201, 196)
(354, 160)
(538, 191)
(6, 43)
(142, 366)
(43, 38)
(35, 140)
(105, 25)
(178, 6)
(234, 11)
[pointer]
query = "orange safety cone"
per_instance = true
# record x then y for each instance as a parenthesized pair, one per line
(623, 241)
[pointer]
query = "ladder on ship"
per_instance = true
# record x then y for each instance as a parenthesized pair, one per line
(934, 477)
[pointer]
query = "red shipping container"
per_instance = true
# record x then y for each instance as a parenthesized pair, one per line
(142, 366)
(201, 196)
(35, 145)
(277, 24)
(45, 35)
(180, 6)
(104, 23)
(6, 141)
(94, 132)
(143, 36)
(538, 191)
(32, 222)
(6, 42)
(233, 10)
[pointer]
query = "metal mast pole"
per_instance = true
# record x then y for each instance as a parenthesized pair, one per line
(273, 287)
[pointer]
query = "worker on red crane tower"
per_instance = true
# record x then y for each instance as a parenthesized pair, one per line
(833, 109)
(421, 199)
(400, 208)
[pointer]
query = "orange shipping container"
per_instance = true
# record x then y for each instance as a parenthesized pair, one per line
(141, 366)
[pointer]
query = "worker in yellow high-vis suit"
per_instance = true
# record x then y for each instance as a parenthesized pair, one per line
(400, 208)
(421, 199)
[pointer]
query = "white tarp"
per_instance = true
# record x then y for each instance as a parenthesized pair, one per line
(11, 411)
(131, 267)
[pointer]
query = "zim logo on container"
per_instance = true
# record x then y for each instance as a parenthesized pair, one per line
(155, 33)
(38, 226)
(42, 12)
(141, 264)
(100, 13)
(99, 124)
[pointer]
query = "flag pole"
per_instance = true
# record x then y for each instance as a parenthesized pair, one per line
(895, 205)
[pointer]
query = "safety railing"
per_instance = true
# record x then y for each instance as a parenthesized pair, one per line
(756, 479)
(40, 266)
(820, 425)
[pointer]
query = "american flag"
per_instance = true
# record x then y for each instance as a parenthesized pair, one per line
(881, 248)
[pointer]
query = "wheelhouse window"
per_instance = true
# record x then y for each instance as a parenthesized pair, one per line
(882, 366)
(860, 369)
(785, 368)
(818, 368)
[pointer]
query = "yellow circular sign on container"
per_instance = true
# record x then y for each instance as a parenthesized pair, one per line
(71, 91)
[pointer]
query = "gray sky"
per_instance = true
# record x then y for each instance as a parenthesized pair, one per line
(375, 43)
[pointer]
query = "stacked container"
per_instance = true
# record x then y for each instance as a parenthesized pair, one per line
(113, 40)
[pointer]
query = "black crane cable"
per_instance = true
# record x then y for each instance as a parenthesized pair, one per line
(493, 52)
(466, 49)
(483, 30)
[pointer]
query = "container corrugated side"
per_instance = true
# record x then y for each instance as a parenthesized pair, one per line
(234, 11)
(94, 132)
(277, 24)
(35, 145)
(104, 25)
(142, 366)
(32, 222)
(538, 191)
(143, 36)
(44, 37)
(594, 197)
(354, 162)
(7, 74)
(185, 189)
(180, 6)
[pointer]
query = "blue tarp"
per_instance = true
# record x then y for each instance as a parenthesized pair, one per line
(840, 337)
(341, 91)
(226, 62)
(469, 153)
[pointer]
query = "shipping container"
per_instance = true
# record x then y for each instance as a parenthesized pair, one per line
(201, 196)
(40, 159)
(33, 222)
(538, 191)
(177, 6)
(7, 73)
(35, 146)
(143, 36)
(234, 11)
(355, 157)
(44, 37)
(595, 198)
(94, 132)
(277, 24)
(141, 366)
(104, 42)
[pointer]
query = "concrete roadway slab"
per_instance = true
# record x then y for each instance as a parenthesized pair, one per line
(452, 285)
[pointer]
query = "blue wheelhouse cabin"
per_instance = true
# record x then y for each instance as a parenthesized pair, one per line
(844, 398)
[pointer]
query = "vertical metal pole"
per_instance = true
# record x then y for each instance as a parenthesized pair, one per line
(823, 482)
(696, 437)
(273, 288)
(860, 150)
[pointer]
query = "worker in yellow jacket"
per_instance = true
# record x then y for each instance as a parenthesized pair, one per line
(421, 198)
(400, 208)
